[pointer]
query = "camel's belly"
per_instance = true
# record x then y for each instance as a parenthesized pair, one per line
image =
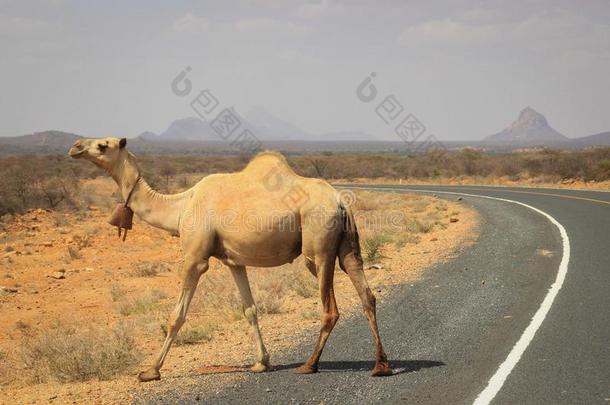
(261, 249)
(237, 259)
(254, 233)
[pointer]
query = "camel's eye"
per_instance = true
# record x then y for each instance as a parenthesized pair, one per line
(102, 147)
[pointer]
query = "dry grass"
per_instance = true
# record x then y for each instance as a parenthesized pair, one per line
(304, 285)
(149, 269)
(373, 244)
(67, 353)
(142, 304)
(269, 294)
(6, 369)
(74, 253)
(310, 314)
(217, 296)
(406, 238)
(190, 335)
(117, 292)
(396, 219)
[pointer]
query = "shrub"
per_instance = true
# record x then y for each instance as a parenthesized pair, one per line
(51, 181)
(142, 304)
(269, 295)
(74, 253)
(424, 227)
(117, 292)
(192, 335)
(417, 226)
(402, 239)
(310, 314)
(373, 245)
(304, 285)
(66, 353)
(37, 182)
(149, 269)
(7, 374)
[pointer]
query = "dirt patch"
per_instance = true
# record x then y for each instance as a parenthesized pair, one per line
(106, 283)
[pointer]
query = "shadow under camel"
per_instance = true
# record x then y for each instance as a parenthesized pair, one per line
(399, 366)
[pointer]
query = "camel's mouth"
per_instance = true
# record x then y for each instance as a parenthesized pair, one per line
(75, 153)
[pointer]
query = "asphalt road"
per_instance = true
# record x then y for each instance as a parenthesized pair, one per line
(447, 334)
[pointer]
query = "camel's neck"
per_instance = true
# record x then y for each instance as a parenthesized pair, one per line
(160, 210)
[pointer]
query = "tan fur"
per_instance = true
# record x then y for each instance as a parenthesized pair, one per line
(265, 216)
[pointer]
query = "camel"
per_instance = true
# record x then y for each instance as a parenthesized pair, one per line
(265, 216)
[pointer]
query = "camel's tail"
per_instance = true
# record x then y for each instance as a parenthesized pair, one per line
(350, 242)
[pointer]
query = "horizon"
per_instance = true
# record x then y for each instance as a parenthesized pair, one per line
(464, 69)
(306, 137)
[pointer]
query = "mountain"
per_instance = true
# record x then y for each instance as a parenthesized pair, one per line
(189, 129)
(601, 139)
(261, 123)
(148, 136)
(272, 128)
(45, 141)
(193, 135)
(531, 128)
(45, 138)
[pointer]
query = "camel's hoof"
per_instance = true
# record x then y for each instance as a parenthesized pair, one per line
(260, 367)
(306, 369)
(149, 375)
(381, 370)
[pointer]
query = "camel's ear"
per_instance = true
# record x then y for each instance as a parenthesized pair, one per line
(122, 143)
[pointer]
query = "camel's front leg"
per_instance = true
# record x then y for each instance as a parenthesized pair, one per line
(193, 269)
(241, 279)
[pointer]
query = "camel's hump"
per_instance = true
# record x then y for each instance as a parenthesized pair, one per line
(268, 160)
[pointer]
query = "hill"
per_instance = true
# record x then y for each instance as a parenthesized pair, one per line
(530, 129)
(47, 141)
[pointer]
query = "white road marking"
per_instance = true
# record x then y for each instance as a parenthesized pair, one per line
(497, 380)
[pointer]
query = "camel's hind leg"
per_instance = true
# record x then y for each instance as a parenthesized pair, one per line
(193, 269)
(353, 267)
(241, 279)
(330, 314)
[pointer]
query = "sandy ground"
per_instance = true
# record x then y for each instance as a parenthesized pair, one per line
(44, 283)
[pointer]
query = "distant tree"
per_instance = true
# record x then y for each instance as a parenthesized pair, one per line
(167, 170)
(319, 166)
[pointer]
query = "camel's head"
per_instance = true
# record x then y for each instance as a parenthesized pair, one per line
(104, 152)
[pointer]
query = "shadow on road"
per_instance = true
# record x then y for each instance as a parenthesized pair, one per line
(399, 366)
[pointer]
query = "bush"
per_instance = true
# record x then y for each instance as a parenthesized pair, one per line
(310, 314)
(142, 304)
(117, 292)
(52, 181)
(404, 238)
(149, 269)
(38, 182)
(269, 295)
(373, 245)
(305, 285)
(67, 354)
(417, 226)
(192, 335)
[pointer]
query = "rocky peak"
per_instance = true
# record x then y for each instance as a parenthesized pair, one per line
(530, 118)
(530, 128)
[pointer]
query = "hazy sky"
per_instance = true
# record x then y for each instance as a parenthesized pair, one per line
(464, 68)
